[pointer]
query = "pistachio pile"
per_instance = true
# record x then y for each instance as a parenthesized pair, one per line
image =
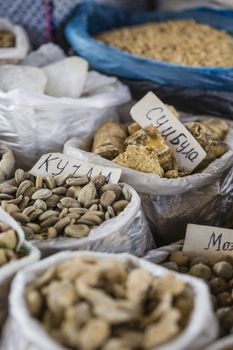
(8, 245)
(218, 273)
(184, 42)
(7, 39)
(87, 303)
(63, 205)
(145, 149)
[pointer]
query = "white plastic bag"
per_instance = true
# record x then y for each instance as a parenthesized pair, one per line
(23, 332)
(17, 53)
(33, 124)
(8, 271)
(222, 344)
(128, 232)
(169, 204)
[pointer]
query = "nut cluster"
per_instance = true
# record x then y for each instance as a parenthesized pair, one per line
(8, 245)
(87, 303)
(184, 42)
(218, 273)
(63, 205)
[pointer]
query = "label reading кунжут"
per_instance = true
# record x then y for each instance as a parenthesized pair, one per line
(187, 151)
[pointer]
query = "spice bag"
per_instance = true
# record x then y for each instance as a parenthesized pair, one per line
(223, 344)
(128, 232)
(169, 204)
(202, 327)
(8, 271)
(33, 124)
(17, 53)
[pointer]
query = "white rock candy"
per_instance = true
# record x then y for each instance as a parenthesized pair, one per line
(25, 77)
(66, 78)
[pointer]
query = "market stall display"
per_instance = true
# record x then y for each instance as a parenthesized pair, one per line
(134, 176)
(107, 293)
(76, 212)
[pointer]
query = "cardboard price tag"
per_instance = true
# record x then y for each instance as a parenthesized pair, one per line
(208, 240)
(187, 151)
(57, 163)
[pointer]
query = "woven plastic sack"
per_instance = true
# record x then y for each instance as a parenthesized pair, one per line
(128, 232)
(17, 53)
(32, 124)
(201, 329)
(170, 204)
(8, 271)
(91, 18)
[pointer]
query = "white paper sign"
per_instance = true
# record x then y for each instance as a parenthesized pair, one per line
(187, 151)
(208, 240)
(57, 163)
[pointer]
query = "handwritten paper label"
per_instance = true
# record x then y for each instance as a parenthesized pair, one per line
(208, 240)
(57, 163)
(187, 151)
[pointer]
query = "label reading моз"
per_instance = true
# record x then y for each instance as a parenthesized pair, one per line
(187, 151)
(208, 240)
(57, 164)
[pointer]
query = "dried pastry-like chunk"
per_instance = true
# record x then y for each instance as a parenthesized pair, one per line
(217, 127)
(151, 138)
(141, 159)
(213, 147)
(109, 139)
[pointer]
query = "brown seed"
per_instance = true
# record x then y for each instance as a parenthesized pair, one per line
(78, 210)
(73, 216)
(59, 190)
(52, 232)
(49, 222)
(39, 181)
(61, 179)
(12, 208)
(20, 176)
(94, 207)
(77, 231)
(86, 222)
(34, 215)
(63, 213)
(61, 224)
(23, 187)
(88, 204)
(69, 202)
(92, 217)
(34, 227)
(73, 191)
(120, 205)
(87, 193)
(7, 189)
(52, 201)
(43, 193)
(39, 204)
(50, 182)
(111, 187)
(27, 211)
(30, 191)
(48, 214)
(107, 198)
(98, 181)
(111, 211)
(16, 200)
(24, 203)
(77, 181)
(22, 218)
(6, 196)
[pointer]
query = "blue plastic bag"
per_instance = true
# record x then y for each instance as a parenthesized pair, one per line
(91, 18)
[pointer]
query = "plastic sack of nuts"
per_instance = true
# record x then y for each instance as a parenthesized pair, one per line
(131, 310)
(15, 254)
(14, 42)
(77, 213)
(169, 204)
(217, 272)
